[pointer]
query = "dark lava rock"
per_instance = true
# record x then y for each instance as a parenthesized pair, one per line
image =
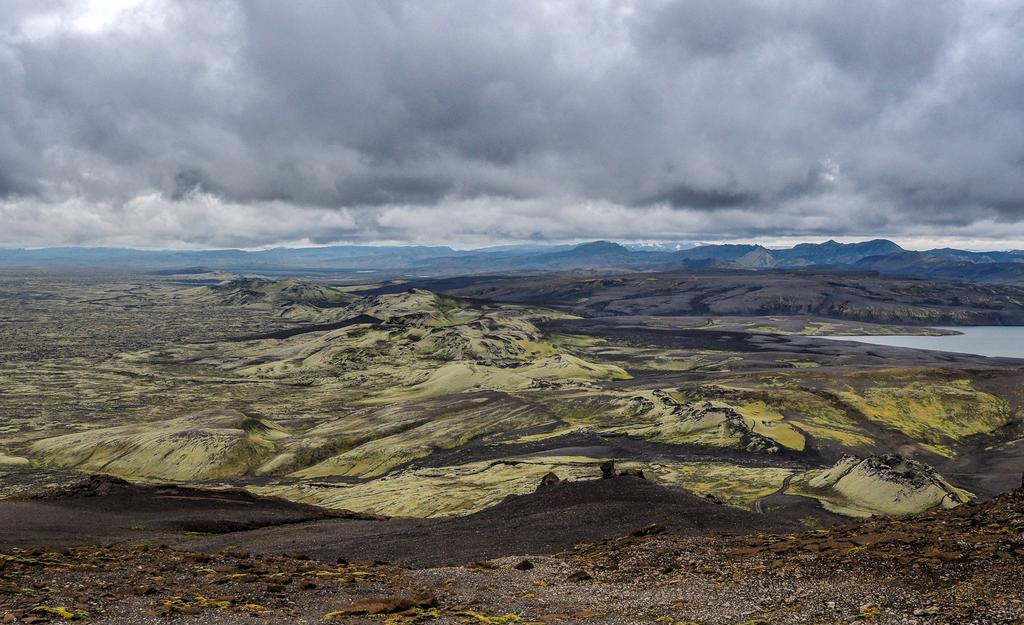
(524, 565)
(579, 576)
(608, 470)
(633, 473)
(549, 479)
(393, 604)
(98, 485)
(650, 530)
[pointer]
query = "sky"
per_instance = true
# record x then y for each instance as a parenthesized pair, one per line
(197, 124)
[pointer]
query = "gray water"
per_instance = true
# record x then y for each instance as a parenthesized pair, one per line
(1005, 341)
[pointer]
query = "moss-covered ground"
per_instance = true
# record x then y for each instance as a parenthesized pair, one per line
(381, 402)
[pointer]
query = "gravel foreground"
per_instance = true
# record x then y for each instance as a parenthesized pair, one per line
(955, 567)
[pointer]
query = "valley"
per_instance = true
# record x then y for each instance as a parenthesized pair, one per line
(391, 402)
(402, 411)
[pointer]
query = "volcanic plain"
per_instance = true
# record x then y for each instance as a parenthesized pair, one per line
(638, 448)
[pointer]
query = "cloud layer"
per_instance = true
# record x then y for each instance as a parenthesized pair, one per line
(252, 123)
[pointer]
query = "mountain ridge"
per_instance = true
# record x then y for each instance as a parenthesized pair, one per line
(874, 255)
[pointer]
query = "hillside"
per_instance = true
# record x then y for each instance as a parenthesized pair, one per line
(855, 297)
(848, 573)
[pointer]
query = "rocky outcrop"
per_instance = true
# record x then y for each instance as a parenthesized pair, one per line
(700, 423)
(549, 479)
(886, 485)
(608, 471)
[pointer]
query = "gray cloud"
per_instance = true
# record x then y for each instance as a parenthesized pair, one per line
(252, 123)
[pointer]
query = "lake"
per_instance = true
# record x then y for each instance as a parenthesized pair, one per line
(1004, 341)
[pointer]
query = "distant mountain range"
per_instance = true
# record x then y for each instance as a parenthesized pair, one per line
(660, 246)
(878, 255)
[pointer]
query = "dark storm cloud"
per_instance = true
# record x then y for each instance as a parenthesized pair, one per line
(686, 196)
(187, 122)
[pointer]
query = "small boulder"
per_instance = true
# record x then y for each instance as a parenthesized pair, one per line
(392, 604)
(145, 589)
(524, 565)
(608, 469)
(869, 610)
(549, 479)
(650, 530)
(579, 576)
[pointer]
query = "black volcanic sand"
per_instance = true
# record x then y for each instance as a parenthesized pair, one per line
(106, 511)
(103, 509)
(555, 518)
(940, 568)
